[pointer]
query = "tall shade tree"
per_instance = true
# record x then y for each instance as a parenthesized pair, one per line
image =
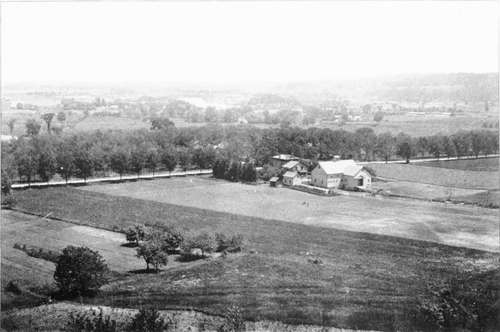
(11, 123)
(84, 166)
(65, 158)
(119, 160)
(47, 162)
(26, 159)
(32, 127)
(152, 158)
(404, 146)
(385, 146)
(168, 157)
(48, 117)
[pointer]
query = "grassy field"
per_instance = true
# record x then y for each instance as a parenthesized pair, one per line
(482, 164)
(363, 279)
(455, 225)
(438, 176)
(422, 125)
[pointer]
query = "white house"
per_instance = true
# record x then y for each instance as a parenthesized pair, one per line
(291, 178)
(341, 174)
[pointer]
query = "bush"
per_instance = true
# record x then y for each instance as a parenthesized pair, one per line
(148, 320)
(90, 322)
(234, 321)
(224, 243)
(13, 287)
(204, 242)
(172, 239)
(9, 201)
(48, 255)
(80, 271)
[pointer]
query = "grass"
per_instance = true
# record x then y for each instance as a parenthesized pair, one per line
(482, 164)
(438, 176)
(456, 225)
(273, 278)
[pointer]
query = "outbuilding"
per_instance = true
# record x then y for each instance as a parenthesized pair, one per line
(291, 178)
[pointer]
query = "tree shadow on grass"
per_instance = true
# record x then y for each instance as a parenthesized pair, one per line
(144, 271)
(129, 245)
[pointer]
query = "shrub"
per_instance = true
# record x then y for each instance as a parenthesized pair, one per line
(80, 271)
(90, 322)
(204, 242)
(234, 321)
(224, 243)
(148, 320)
(13, 287)
(9, 201)
(172, 239)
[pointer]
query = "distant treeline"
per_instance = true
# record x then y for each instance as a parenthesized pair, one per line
(165, 147)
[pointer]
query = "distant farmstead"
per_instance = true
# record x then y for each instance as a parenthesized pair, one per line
(341, 174)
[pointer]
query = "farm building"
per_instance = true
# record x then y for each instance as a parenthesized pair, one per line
(291, 178)
(273, 181)
(295, 166)
(281, 159)
(342, 174)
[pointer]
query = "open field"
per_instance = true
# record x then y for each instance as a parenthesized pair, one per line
(421, 125)
(438, 176)
(481, 164)
(273, 279)
(456, 225)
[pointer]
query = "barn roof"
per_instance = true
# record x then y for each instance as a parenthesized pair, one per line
(347, 167)
(291, 164)
(284, 157)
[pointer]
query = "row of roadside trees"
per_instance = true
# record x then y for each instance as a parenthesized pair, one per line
(229, 150)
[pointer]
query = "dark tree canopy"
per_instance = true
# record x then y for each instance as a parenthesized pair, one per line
(80, 271)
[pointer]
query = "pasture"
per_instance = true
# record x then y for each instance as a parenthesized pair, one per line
(455, 225)
(447, 177)
(364, 278)
(481, 164)
(421, 125)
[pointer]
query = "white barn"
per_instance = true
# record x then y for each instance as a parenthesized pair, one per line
(341, 174)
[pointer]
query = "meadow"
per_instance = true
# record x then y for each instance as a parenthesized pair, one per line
(448, 177)
(454, 225)
(364, 280)
(481, 164)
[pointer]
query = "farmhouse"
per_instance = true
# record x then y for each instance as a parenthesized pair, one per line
(342, 174)
(295, 166)
(281, 159)
(291, 178)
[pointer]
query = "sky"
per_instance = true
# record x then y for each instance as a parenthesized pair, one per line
(228, 42)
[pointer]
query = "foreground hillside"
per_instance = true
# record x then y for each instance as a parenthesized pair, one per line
(294, 273)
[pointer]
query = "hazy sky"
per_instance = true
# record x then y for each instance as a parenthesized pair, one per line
(243, 41)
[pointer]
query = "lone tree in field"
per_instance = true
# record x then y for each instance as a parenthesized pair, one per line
(153, 254)
(80, 271)
(48, 117)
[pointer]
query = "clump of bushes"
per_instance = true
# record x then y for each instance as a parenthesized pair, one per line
(233, 321)
(202, 245)
(146, 320)
(234, 171)
(229, 244)
(37, 252)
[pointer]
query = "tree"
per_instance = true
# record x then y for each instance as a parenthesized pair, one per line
(11, 125)
(48, 117)
(32, 127)
(158, 123)
(137, 233)
(385, 146)
(233, 172)
(184, 158)
(378, 116)
(65, 159)
(404, 147)
(119, 160)
(248, 173)
(6, 182)
(84, 166)
(137, 159)
(47, 163)
(152, 252)
(26, 159)
(219, 168)
(365, 139)
(204, 242)
(435, 146)
(152, 158)
(61, 117)
(148, 320)
(168, 158)
(172, 239)
(80, 271)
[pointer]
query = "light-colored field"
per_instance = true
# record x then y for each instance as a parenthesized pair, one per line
(438, 176)
(51, 234)
(481, 164)
(449, 224)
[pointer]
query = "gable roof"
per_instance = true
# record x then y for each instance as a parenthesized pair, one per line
(346, 167)
(290, 174)
(291, 164)
(284, 157)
